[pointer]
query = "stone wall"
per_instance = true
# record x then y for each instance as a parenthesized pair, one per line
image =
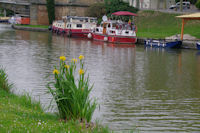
(39, 15)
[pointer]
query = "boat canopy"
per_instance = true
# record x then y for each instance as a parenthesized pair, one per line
(124, 13)
(194, 16)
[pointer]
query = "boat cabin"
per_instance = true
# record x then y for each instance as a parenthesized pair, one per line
(113, 27)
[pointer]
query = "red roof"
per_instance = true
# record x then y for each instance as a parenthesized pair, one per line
(124, 13)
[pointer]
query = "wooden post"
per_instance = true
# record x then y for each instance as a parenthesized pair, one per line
(182, 29)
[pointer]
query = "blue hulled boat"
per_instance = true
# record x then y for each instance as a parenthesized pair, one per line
(163, 43)
(198, 45)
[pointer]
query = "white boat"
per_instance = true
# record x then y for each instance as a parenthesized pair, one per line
(74, 26)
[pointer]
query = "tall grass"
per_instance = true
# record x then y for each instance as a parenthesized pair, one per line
(72, 95)
(4, 85)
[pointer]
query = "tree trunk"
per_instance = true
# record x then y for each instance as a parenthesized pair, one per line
(138, 4)
(181, 5)
(158, 5)
(165, 4)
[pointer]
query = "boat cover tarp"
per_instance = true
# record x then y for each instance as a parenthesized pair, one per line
(124, 13)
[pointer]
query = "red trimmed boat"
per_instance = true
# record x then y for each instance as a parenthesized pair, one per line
(115, 31)
(74, 26)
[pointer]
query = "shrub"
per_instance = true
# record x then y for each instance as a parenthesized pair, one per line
(71, 95)
(198, 4)
(96, 10)
(118, 5)
(4, 81)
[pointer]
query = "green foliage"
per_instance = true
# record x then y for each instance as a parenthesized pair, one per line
(118, 5)
(4, 85)
(198, 4)
(71, 95)
(96, 10)
(51, 10)
(34, 26)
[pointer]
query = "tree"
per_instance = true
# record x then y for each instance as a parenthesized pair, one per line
(198, 4)
(118, 5)
(96, 10)
(51, 10)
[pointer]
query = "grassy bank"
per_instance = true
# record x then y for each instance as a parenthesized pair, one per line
(153, 24)
(21, 114)
(34, 26)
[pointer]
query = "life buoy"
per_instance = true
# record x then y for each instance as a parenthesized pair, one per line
(105, 38)
(90, 35)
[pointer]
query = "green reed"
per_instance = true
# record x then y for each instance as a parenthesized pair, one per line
(72, 95)
(4, 80)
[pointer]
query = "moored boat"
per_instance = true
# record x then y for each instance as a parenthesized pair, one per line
(74, 26)
(115, 31)
(163, 43)
(198, 45)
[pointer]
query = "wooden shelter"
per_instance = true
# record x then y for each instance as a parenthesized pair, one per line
(194, 16)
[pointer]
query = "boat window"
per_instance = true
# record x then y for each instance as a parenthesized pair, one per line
(86, 20)
(97, 29)
(109, 25)
(126, 32)
(79, 25)
(113, 32)
(114, 24)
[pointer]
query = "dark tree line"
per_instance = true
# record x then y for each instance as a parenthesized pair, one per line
(51, 10)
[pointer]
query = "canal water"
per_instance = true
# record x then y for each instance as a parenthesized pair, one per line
(145, 89)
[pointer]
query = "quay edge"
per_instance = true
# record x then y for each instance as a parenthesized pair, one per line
(30, 28)
(187, 44)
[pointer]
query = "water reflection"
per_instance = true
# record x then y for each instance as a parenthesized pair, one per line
(155, 90)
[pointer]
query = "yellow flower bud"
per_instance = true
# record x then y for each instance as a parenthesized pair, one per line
(81, 57)
(67, 66)
(74, 60)
(63, 58)
(81, 71)
(82, 89)
(55, 71)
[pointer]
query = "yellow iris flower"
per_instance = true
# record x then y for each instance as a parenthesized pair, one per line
(63, 58)
(81, 57)
(81, 71)
(55, 71)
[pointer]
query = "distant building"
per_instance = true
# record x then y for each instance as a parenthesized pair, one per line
(151, 4)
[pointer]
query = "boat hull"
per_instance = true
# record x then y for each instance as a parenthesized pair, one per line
(82, 33)
(114, 39)
(162, 44)
(198, 45)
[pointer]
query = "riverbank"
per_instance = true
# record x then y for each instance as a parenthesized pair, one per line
(159, 25)
(40, 28)
(21, 114)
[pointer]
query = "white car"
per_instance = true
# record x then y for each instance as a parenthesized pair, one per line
(186, 5)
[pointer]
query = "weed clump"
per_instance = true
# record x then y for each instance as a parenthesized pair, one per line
(4, 85)
(71, 95)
